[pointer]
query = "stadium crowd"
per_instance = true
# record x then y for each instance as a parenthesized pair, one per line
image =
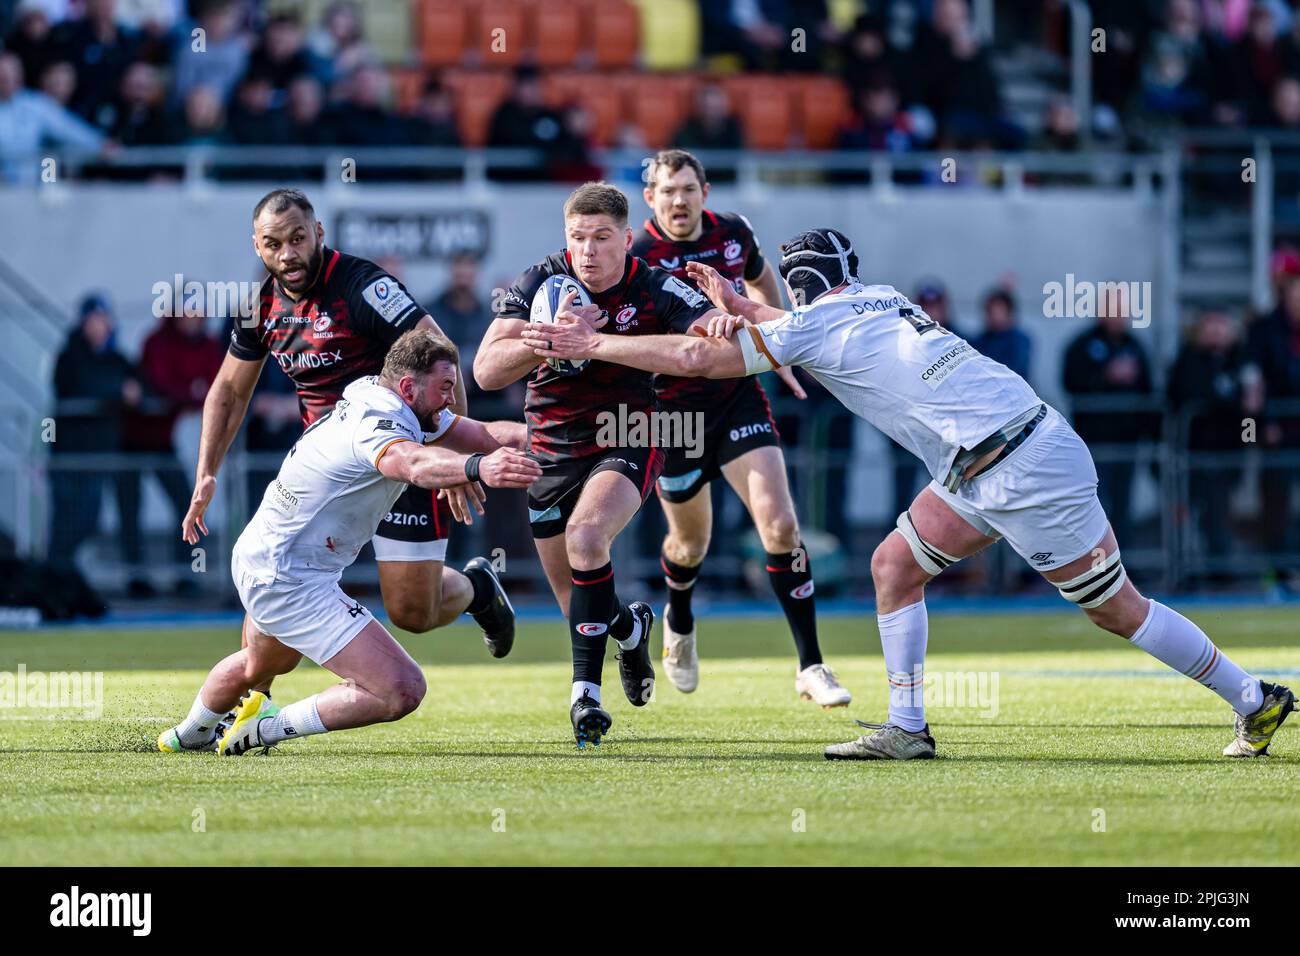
(104, 74)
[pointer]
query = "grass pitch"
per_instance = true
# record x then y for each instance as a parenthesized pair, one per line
(1086, 751)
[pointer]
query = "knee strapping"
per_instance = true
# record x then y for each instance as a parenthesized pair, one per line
(1097, 585)
(930, 558)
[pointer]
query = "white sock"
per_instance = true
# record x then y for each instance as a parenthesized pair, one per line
(581, 687)
(299, 719)
(1173, 640)
(634, 638)
(200, 726)
(903, 635)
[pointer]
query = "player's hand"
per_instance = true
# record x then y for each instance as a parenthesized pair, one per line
(566, 338)
(593, 315)
(193, 522)
(507, 468)
(718, 290)
(786, 374)
(720, 326)
(464, 500)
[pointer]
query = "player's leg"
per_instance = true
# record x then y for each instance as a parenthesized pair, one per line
(259, 659)
(419, 592)
(929, 537)
(607, 502)
(759, 478)
(1098, 584)
(690, 525)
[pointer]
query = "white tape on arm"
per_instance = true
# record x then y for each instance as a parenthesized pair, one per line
(757, 357)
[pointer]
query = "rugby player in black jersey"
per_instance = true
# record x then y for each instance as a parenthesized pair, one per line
(741, 443)
(591, 484)
(328, 318)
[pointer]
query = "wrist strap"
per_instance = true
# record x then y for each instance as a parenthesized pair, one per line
(471, 466)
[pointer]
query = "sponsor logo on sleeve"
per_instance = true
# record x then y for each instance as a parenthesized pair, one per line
(684, 292)
(387, 298)
(951, 360)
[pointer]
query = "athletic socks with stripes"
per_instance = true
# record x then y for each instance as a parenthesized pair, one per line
(903, 636)
(681, 585)
(299, 719)
(1173, 640)
(791, 577)
(199, 726)
(594, 612)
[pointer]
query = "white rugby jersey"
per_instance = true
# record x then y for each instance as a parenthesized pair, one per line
(330, 496)
(890, 363)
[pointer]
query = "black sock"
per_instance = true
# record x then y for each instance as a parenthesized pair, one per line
(592, 606)
(681, 585)
(621, 629)
(794, 589)
(483, 591)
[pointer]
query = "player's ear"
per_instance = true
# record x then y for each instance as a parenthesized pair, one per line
(627, 238)
(704, 192)
(649, 196)
(320, 231)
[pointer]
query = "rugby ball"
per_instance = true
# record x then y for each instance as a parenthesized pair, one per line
(546, 302)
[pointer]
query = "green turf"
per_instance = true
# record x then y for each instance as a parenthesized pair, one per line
(726, 775)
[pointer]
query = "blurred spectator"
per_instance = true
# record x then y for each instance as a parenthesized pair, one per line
(434, 120)
(1060, 132)
(1274, 345)
(99, 49)
(1283, 269)
(869, 59)
(178, 364)
(216, 57)
(711, 124)
(958, 83)
(59, 83)
(1107, 366)
(282, 56)
(204, 118)
(137, 116)
(1001, 340)
(523, 120)
(1177, 75)
(932, 297)
(462, 313)
(764, 28)
(32, 41)
(306, 113)
(31, 120)
(877, 124)
(93, 385)
(1214, 383)
(1286, 104)
(254, 120)
(362, 118)
(571, 160)
(339, 44)
(1257, 67)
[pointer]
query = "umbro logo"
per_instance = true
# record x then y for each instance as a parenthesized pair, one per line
(1042, 557)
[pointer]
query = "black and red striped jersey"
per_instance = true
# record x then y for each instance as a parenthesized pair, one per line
(561, 409)
(729, 245)
(337, 331)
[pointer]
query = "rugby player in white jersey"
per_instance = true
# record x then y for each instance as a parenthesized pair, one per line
(334, 488)
(1004, 464)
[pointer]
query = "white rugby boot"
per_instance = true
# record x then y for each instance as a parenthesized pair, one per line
(818, 683)
(681, 663)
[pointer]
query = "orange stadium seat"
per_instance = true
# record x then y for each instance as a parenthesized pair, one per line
(557, 34)
(443, 31)
(823, 107)
(764, 107)
(615, 33)
(408, 84)
(502, 33)
(602, 99)
(658, 104)
(478, 94)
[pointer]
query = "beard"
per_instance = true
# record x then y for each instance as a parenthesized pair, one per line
(310, 270)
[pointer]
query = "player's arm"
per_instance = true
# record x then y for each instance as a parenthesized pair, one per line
(692, 356)
(459, 404)
(429, 466)
(503, 358)
(469, 435)
(223, 413)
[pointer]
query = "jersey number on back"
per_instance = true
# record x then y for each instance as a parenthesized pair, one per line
(920, 321)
